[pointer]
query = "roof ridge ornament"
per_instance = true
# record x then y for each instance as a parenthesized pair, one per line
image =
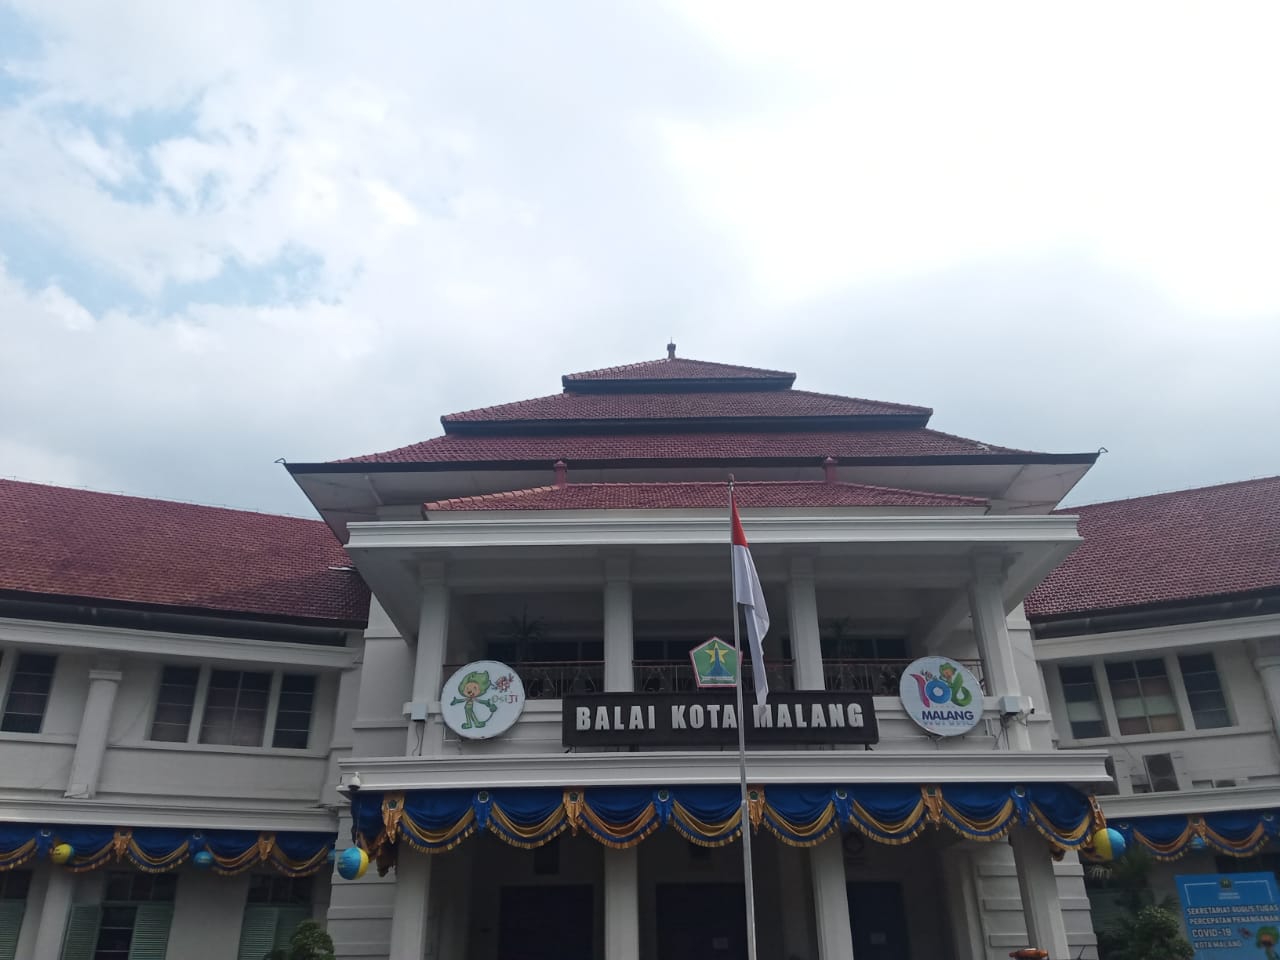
(671, 349)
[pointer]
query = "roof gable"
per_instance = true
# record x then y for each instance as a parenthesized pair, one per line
(654, 373)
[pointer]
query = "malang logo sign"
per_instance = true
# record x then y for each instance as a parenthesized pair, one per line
(941, 696)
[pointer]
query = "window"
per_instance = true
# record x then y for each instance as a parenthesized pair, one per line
(172, 720)
(233, 708)
(28, 693)
(1204, 691)
(275, 907)
(13, 904)
(1084, 709)
(1143, 697)
(293, 715)
(131, 923)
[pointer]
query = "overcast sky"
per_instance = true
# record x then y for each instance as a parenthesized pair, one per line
(232, 232)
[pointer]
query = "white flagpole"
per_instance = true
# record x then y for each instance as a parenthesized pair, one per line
(742, 752)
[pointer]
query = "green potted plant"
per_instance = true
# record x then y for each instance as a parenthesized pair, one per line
(309, 942)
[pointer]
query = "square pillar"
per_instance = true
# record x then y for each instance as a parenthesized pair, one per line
(619, 647)
(831, 900)
(409, 910)
(1041, 907)
(54, 910)
(806, 643)
(621, 904)
(991, 632)
(95, 723)
(429, 655)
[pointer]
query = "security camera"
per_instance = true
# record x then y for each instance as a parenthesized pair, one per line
(354, 783)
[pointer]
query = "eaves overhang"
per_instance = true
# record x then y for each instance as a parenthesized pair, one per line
(390, 554)
(680, 768)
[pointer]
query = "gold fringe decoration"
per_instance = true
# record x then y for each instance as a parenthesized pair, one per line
(755, 807)
(573, 809)
(392, 811)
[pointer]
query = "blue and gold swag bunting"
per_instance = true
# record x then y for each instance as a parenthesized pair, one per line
(433, 821)
(1237, 833)
(157, 850)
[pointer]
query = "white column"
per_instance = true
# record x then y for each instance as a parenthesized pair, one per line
(1041, 908)
(964, 906)
(95, 723)
(806, 644)
(621, 904)
(433, 637)
(831, 901)
(58, 897)
(991, 631)
(409, 910)
(1268, 668)
(619, 648)
(455, 921)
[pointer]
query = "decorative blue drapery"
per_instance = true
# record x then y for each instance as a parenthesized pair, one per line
(1235, 833)
(157, 849)
(433, 821)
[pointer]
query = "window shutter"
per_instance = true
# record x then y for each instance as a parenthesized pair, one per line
(288, 922)
(258, 932)
(82, 932)
(10, 926)
(151, 931)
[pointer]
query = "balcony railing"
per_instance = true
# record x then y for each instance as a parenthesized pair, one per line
(553, 680)
(877, 677)
(676, 676)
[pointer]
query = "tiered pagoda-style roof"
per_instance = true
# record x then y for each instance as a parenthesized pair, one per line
(676, 420)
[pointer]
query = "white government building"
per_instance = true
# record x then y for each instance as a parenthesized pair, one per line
(200, 705)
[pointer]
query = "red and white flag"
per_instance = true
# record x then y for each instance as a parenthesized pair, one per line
(746, 591)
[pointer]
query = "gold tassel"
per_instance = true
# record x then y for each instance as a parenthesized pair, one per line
(755, 807)
(120, 842)
(573, 809)
(1099, 818)
(266, 843)
(392, 811)
(932, 804)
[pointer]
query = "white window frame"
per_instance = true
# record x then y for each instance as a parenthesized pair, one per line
(1182, 703)
(8, 666)
(202, 695)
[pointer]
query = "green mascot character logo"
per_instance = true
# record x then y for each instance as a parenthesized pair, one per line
(1268, 937)
(472, 687)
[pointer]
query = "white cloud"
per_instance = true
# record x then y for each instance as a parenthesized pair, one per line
(439, 208)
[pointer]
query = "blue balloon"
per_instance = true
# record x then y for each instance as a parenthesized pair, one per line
(203, 860)
(1108, 844)
(352, 863)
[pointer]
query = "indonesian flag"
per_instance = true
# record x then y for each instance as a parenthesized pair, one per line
(746, 591)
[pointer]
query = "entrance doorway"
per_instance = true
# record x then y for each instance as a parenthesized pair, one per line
(702, 921)
(879, 921)
(546, 923)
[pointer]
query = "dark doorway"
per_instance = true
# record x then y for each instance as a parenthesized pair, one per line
(546, 923)
(702, 921)
(879, 921)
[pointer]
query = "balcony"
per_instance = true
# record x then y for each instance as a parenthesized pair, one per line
(676, 676)
(878, 677)
(553, 680)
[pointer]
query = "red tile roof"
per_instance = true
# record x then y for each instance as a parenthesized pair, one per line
(678, 368)
(721, 447)
(701, 495)
(98, 546)
(759, 404)
(1171, 547)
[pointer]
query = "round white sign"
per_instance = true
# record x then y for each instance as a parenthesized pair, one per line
(482, 700)
(941, 695)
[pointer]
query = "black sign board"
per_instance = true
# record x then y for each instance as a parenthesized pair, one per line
(710, 718)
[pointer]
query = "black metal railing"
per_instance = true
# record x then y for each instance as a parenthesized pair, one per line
(676, 676)
(877, 677)
(546, 680)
